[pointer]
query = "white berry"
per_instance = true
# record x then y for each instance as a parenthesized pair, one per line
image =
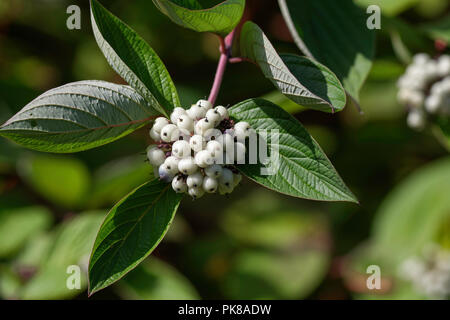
(196, 112)
(187, 166)
(215, 148)
(156, 156)
(205, 104)
(222, 111)
(176, 114)
(214, 171)
(416, 119)
(210, 185)
(195, 180)
(160, 123)
(202, 126)
(214, 116)
(237, 178)
(185, 122)
(197, 143)
(164, 173)
(181, 149)
(204, 159)
(226, 180)
(171, 165)
(167, 131)
(154, 135)
(179, 185)
(242, 130)
(196, 193)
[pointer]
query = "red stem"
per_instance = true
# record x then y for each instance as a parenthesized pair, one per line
(225, 54)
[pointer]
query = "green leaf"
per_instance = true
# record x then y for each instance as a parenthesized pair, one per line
(439, 30)
(259, 275)
(17, 226)
(71, 243)
(156, 280)
(216, 16)
(131, 231)
(301, 169)
(412, 215)
(389, 7)
(263, 219)
(133, 59)
(61, 180)
(78, 116)
(115, 179)
(334, 33)
(301, 79)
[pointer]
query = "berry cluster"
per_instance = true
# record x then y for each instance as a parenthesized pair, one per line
(430, 272)
(425, 89)
(196, 149)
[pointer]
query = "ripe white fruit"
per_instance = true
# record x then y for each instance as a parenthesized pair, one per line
(187, 166)
(179, 185)
(215, 148)
(210, 185)
(416, 119)
(212, 134)
(185, 122)
(197, 143)
(167, 131)
(242, 130)
(222, 111)
(154, 135)
(160, 123)
(214, 171)
(195, 180)
(204, 159)
(181, 149)
(237, 178)
(156, 156)
(176, 114)
(171, 165)
(204, 104)
(202, 126)
(196, 112)
(433, 103)
(180, 134)
(226, 180)
(196, 193)
(214, 116)
(164, 174)
(421, 59)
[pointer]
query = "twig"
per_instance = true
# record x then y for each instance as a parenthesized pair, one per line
(225, 53)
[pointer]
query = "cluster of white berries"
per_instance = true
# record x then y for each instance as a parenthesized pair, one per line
(196, 149)
(430, 273)
(425, 89)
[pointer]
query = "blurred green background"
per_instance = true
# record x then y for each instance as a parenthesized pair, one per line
(254, 244)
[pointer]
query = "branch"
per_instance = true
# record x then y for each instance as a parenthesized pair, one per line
(225, 53)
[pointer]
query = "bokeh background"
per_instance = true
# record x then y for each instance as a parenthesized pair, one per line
(255, 244)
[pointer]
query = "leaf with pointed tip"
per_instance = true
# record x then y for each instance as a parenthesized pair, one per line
(216, 16)
(133, 59)
(304, 81)
(335, 33)
(78, 116)
(301, 169)
(130, 232)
